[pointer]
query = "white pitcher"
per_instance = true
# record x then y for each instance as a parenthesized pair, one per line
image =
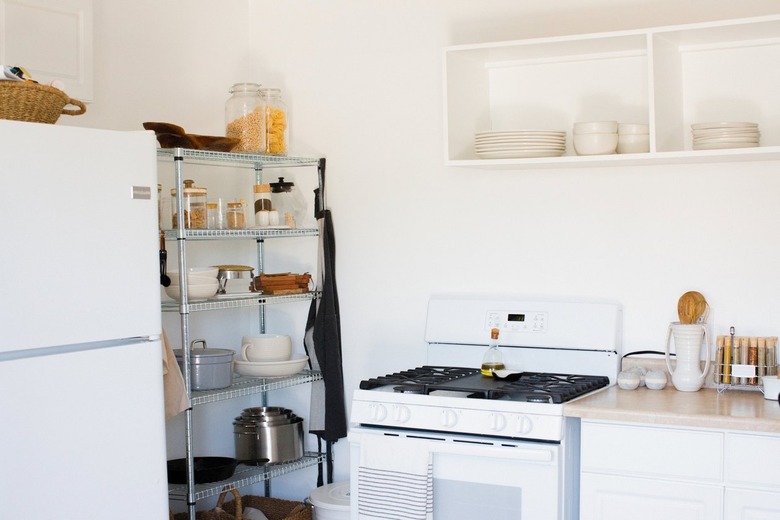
(688, 376)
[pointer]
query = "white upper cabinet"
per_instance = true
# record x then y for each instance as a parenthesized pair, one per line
(52, 39)
(668, 78)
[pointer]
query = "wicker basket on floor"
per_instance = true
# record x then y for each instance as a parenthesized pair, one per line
(35, 103)
(221, 511)
(273, 508)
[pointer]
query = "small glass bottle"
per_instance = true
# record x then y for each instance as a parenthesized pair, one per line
(213, 211)
(235, 215)
(277, 135)
(493, 359)
(245, 118)
(194, 205)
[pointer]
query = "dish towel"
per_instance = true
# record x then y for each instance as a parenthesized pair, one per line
(176, 399)
(395, 482)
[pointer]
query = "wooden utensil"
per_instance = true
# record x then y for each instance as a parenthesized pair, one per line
(691, 306)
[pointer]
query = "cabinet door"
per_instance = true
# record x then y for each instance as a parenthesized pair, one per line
(65, 54)
(607, 497)
(742, 504)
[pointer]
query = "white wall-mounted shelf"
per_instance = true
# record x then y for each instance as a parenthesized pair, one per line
(667, 77)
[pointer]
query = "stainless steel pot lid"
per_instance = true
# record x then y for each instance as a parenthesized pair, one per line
(206, 356)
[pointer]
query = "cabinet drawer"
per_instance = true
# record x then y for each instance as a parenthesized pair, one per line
(652, 452)
(753, 460)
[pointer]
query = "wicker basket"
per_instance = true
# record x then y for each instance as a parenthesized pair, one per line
(221, 511)
(273, 508)
(35, 103)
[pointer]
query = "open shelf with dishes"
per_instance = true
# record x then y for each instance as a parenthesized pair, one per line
(668, 78)
(185, 304)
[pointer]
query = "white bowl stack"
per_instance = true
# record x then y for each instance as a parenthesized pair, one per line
(718, 136)
(595, 138)
(633, 138)
(519, 144)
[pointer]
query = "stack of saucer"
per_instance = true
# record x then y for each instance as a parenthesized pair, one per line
(716, 136)
(516, 144)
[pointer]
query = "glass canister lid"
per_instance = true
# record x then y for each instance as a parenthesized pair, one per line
(190, 189)
(245, 87)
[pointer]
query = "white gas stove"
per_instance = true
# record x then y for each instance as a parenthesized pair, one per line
(562, 350)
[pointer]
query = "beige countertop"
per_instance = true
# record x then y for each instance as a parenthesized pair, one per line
(729, 410)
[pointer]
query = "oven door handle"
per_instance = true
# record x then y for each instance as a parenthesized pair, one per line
(507, 450)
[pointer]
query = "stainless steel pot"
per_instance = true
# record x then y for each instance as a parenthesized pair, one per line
(210, 368)
(276, 442)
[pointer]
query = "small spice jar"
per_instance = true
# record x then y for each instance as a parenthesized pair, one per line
(276, 130)
(194, 205)
(245, 118)
(235, 215)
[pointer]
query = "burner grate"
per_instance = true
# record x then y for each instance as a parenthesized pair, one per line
(549, 388)
(419, 378)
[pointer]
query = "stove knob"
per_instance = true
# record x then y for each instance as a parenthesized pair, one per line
(378, 412)
(497, 421)
(524, 424)
(449, 418)
(401, 414)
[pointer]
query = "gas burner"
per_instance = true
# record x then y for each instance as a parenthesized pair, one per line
(423, 376)
(539, 398)
(411, 388)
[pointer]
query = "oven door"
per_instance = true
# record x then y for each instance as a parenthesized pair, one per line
(479, 477)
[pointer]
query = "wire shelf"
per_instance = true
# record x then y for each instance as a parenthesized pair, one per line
(236, 159)
(245, 476)
(243, 386)
(227, 234)
(243, 301)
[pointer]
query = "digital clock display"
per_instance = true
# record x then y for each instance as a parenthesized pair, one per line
(515, 317)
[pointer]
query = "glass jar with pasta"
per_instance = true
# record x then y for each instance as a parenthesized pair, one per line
(276, 130)
(245, 118)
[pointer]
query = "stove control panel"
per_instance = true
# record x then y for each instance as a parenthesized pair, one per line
(512, 321)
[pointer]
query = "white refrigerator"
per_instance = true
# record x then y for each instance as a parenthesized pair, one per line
(82, 428)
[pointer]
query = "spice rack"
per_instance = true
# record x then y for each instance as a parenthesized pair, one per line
(741, 361)
(241, 386)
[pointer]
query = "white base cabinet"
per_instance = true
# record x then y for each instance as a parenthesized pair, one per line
(643, 472)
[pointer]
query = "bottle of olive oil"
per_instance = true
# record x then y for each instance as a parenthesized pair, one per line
(493, 360)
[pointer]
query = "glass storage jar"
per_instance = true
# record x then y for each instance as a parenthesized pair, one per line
(235, 215)
(276, 130)
(245, 118)
(194, 205)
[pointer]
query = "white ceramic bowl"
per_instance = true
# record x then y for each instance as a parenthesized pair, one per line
(633, 128)
(633, 143)
(193, 279)
(266, 348)
(271, 368)
(596, 127)
(771, 387)
(210, 272)
(595, 144)
(195, 292)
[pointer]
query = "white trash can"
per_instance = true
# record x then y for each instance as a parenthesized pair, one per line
(331, 502)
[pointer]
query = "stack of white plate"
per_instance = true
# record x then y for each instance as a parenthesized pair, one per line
(519, 144)
(716, 136)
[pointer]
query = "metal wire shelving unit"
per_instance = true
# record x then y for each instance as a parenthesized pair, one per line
(241, 386)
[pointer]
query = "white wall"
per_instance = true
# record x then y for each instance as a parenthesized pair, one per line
(364, 85)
